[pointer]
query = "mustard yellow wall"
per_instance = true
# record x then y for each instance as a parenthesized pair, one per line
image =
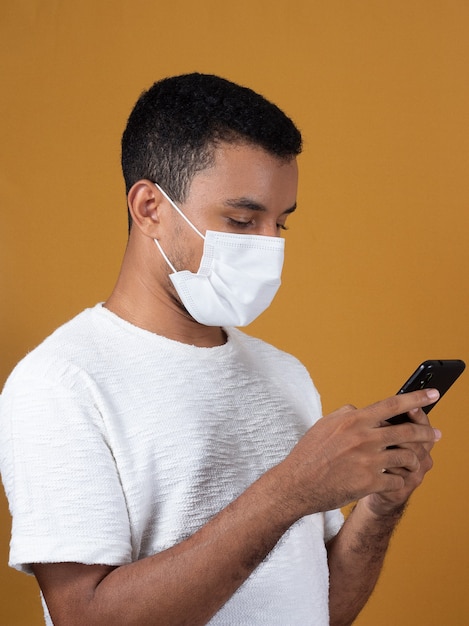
(376, 278)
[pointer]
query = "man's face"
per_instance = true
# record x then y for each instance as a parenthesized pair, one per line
(246, 191)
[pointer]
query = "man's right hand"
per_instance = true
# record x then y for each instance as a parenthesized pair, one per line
(352, 453)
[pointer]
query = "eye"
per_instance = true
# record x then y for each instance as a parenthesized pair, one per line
(239, 224)
(282, 226)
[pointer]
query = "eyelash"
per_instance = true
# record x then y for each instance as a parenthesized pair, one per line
(246, 224)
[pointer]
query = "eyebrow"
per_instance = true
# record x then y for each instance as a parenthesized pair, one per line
(252, 205)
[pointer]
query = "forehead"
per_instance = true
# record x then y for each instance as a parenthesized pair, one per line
(244, 170)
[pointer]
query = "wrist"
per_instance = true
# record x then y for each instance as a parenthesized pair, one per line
(280, 488)
(382, 511)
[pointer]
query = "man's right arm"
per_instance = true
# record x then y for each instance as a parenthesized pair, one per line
(339, 460)
(186, 584)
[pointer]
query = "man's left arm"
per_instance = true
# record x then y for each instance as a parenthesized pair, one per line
(356, 554)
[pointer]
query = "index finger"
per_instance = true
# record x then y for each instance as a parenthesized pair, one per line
(401, 404)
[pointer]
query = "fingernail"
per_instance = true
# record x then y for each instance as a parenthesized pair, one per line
(437, 434)
(433, 394)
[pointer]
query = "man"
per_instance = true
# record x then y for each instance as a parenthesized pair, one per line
(163, 467)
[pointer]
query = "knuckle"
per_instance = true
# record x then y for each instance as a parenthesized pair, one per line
(390, 407)
(394, 482)
(426, 462)
(393, 403)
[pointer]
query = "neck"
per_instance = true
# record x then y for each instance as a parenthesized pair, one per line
(146, 299)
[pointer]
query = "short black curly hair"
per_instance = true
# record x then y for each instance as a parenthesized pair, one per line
(175, 125)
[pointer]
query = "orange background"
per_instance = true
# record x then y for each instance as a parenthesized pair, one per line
(376, 278)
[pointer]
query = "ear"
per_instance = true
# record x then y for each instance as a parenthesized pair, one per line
(144, 201)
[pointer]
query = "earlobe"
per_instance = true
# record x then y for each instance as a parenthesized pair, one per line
(144, 200)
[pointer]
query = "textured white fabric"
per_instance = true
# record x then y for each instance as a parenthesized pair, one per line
(116, 443)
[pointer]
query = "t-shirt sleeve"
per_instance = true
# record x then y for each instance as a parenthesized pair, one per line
(60, 477)
(333, 521)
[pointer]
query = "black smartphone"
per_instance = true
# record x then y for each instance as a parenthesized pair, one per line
(439, 375)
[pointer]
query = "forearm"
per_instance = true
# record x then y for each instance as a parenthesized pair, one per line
(338, 460)
(356, 556)
(190, 582)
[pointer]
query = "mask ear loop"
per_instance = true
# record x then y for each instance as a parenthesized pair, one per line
(184, 217)
(164, 256)
(179, 211)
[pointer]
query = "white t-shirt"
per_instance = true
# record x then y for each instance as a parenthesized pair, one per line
(116, 443)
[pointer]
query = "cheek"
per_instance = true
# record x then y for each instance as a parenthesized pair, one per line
(186, 251)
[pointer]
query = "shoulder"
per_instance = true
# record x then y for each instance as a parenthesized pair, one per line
(280, 366)
(59, 352)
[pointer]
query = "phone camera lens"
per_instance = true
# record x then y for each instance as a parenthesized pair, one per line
(424, 381)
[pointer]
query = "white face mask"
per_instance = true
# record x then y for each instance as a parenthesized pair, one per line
(237, 280)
